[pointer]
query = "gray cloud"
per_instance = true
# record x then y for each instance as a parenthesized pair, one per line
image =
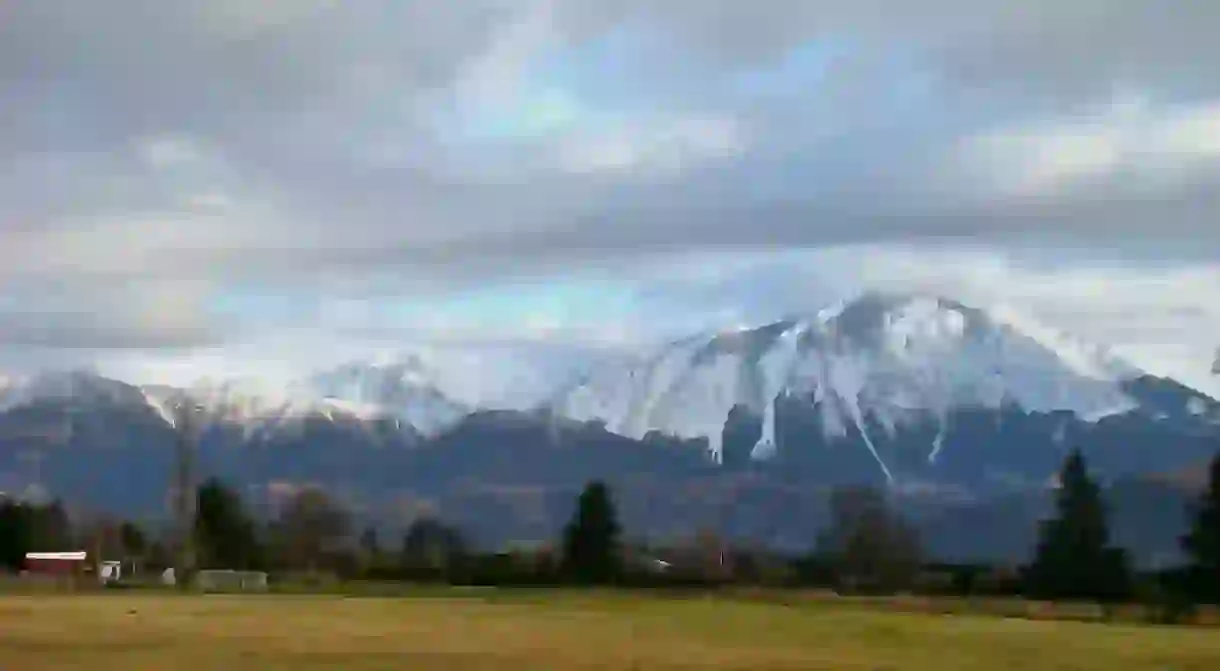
(110, 317)
(100, 331)
(1038, 44)
(327, 146)
(205, 65)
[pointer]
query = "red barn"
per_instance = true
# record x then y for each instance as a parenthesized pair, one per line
(57, 563)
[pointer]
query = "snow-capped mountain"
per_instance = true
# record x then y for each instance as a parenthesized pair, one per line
(406, 391)
(875, 364)
(78, 388)
(879, 362)
(403, 392)
(945, 402)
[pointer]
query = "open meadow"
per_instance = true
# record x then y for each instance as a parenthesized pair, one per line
(152, 632)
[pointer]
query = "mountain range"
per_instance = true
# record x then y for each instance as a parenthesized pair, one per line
(966, 413)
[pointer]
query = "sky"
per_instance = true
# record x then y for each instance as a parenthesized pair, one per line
(228, 187)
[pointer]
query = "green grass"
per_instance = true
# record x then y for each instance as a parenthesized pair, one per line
(534, 629)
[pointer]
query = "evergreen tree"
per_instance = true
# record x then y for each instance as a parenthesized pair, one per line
(27, 527)
(432, 545)
(132, 539)
(591, 546)
(226, 535)
(370, 543)
(50, 528)
(14, 534)
(1202, 543)
(1074, 559)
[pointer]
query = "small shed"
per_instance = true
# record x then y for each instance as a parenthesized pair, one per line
(110, 571)
(231, 581)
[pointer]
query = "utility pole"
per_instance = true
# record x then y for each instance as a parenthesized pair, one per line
(184, 475)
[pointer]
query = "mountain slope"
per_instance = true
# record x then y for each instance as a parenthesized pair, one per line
(869, 369)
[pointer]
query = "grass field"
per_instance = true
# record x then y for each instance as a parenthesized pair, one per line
(147, 632)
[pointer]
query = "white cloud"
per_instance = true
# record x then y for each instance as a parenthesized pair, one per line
(1162, 318)
(661, 147)
(209, 201)
(241, 19)
(169, 243)
(169, 151)
(1165, 318)
(496, 78)
(173, 314)
(1158, 145)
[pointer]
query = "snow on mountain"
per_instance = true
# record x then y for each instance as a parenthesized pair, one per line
(405, 390)
(402, 391)
(82, 387)
(891, 358)
(428, 388)
(881, 359)
(9, 390)
(251, 404)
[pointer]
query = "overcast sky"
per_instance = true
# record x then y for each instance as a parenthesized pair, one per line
(205, 185)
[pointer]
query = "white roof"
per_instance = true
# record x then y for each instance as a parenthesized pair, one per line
(66, 556)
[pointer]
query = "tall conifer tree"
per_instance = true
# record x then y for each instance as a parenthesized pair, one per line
(1202, 542)
(1074, 559)
(591, 545)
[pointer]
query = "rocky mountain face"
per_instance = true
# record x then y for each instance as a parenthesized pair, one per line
(964, 413)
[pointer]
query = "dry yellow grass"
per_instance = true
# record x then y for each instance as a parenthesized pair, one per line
(150, 632)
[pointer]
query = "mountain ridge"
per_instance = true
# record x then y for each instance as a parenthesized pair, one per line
(889, 354)
(873, 393)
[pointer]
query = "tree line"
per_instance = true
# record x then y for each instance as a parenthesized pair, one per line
(867, 547)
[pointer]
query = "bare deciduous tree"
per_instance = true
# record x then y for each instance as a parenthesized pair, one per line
(310, 527)
(870, 547)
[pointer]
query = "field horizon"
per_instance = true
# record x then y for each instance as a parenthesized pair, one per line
(557, 630)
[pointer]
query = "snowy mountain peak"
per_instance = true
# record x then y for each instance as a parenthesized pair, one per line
(406, 390)
(874, 312)
(899, 322)
(401, 391)
(79, 386)
(880, 362)
(881, 358)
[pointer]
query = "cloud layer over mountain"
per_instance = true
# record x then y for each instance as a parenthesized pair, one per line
(193, 182)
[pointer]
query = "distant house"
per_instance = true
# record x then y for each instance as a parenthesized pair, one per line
(71, 565)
